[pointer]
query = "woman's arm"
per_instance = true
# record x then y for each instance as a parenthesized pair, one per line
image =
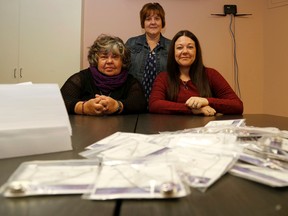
(158, 102)
(135, 101)
(71, 92)
(224, 99)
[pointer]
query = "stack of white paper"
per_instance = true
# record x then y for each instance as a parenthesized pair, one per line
(33, 120)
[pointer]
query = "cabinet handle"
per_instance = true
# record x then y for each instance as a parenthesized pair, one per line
(15, 72)
(20, 72)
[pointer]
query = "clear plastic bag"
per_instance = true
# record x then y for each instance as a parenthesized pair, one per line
(137, 180)
(51, 178)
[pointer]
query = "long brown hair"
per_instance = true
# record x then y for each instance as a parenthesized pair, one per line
(197, 70)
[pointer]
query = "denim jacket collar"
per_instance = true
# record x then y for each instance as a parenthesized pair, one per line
(141, 40)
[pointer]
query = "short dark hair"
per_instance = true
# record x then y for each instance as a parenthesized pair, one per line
(149, 8)
(105, 44)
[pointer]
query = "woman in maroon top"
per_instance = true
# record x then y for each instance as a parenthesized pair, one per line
(188, 87)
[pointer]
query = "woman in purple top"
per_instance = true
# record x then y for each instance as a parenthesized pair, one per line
(105, 87)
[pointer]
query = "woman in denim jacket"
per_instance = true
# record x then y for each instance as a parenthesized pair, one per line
(149, 51)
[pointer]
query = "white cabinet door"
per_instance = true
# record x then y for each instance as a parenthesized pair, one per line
(9, 36)
(49, 40)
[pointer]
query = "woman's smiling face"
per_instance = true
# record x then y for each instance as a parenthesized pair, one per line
(185, 51)
(109, 64)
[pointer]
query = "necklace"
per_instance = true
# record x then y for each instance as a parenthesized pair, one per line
(185, 84)
(104, 94)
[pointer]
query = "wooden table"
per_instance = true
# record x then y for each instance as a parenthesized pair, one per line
(230, 195)
(86, 130)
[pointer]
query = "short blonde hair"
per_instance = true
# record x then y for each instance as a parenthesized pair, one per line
(105, 44)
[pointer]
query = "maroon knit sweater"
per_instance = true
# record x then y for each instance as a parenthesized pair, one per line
(224, 99)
